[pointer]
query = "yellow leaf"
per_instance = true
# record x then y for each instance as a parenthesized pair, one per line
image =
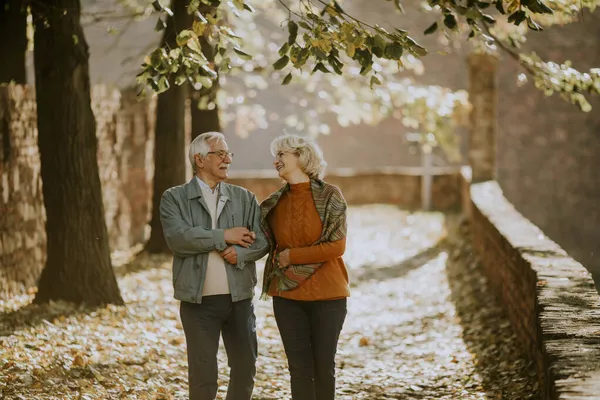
(350, 49)
(198, 28)
(79, 361)
(364, 341)
(513, 5)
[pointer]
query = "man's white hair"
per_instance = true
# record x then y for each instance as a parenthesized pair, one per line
(201, 145)
(310, 155)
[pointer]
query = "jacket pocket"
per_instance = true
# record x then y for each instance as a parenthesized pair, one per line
(188, 277)
(177, 267)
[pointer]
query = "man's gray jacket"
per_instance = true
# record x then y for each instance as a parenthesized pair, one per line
(187, 226)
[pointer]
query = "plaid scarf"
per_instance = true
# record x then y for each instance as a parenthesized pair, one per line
(331, 208)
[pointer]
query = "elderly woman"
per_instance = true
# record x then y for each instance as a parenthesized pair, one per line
(305, 223)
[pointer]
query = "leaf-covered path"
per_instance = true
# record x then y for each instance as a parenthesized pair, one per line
(420, 325)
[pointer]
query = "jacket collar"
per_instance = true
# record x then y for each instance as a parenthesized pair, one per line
(194, 191)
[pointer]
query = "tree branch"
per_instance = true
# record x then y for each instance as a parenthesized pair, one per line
(515, 55)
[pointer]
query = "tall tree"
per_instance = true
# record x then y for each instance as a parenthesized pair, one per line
(169, 146)
(204, 107)
(204, 119)
(13, 45)
(78, 266)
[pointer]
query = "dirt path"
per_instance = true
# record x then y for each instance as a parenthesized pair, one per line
(420, 326)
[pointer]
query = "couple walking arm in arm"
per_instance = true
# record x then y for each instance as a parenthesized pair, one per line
(217, 232)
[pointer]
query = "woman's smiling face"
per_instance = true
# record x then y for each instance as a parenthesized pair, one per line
(286, 163)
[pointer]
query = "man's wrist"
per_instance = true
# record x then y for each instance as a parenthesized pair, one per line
(219, 238)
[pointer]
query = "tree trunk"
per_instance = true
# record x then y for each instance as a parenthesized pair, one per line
(206, 120)
(13, 45)
(78, 267)
(170, 160)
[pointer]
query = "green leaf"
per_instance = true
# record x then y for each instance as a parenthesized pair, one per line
(184, 36)
(239, 4)
(500, 7)
(377, 51)
(162, 85)
(248, 7)
(243, 56)
(380, 41)
(180, 79)
(416, 48)
(337, 7)
(281, 63)
(539, 7)
(284, 49)
(363, 57)
(517, 17)
(534, 26)
(374, 81)
(193, 6)
(225, 66)
(366, 69)
(287, 79)
(336, 64)
(157, 57)
(160, 25)
(175, 53)
(206, 70)
(293, 30)
(201, 18)
(450, 21)
(393, 51)
(432, 28)
(488, 18)
(194, 44)
(203, 80)
(304, 25)
(320, 67)
(318, 53)
(302, 57)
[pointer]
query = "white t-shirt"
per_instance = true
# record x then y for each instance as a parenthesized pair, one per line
(215, 281)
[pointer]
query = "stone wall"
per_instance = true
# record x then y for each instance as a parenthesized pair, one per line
(548, 150)
(125, 147)
(22, 213)
(549, 297)
(400, 186)
(125, 160)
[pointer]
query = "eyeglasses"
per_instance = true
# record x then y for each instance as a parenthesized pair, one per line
(222, 154)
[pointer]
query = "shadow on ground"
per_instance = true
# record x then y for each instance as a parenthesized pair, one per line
(32, 315)
(398, 270)
(504, 368)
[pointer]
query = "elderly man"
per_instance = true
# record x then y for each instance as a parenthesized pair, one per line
(213, 229)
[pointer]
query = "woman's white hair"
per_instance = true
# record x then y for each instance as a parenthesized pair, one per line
(310, 155)
(201, 145)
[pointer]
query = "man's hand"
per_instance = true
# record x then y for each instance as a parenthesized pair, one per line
(240, 236)
(230, 255)
(284, 259)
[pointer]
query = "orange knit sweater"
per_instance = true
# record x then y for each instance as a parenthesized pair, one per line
(296, 225)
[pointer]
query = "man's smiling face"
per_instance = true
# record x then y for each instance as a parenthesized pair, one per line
(215, 165)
